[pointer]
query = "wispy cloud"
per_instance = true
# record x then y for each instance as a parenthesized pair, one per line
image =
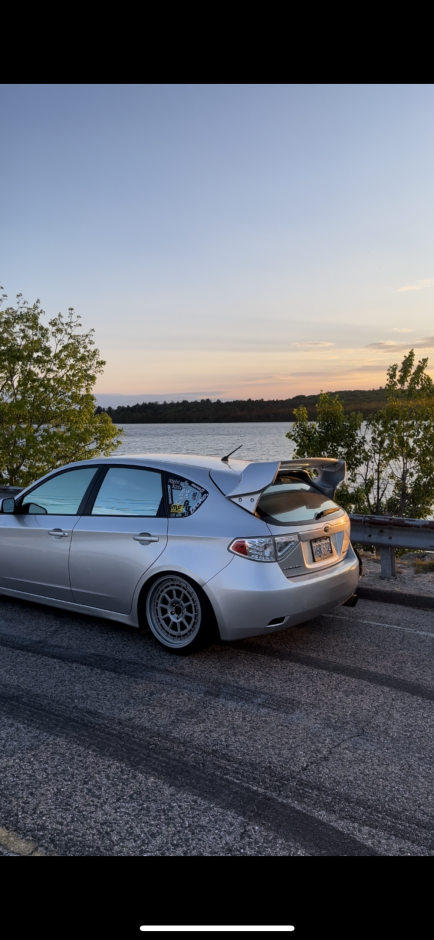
(339, 374)
(389, 345)
(306, 345)
(404, 329)
(384, 344)
(419, 285)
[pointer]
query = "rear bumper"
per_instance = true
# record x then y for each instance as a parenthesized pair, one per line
(246, 595)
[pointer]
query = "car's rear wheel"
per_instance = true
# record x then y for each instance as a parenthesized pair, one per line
(178, 614)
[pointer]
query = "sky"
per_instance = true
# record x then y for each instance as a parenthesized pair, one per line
(225, 241)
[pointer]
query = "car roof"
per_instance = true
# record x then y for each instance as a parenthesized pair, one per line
(169, 460)
(234, 478)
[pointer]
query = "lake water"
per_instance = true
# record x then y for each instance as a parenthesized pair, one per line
(260, 441)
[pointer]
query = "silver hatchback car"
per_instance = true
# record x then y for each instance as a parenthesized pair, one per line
(194, 547)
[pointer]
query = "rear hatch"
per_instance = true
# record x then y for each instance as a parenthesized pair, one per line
(293, 505)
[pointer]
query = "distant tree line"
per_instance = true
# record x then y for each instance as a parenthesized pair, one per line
(206, 411)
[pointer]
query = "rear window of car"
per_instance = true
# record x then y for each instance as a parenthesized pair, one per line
(291, 499)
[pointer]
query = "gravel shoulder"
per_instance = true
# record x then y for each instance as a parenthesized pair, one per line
(411, 576)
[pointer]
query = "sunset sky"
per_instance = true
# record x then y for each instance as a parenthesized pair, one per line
(228, 241)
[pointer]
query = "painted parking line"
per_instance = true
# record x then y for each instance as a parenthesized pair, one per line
(375, 623)
(229, 929)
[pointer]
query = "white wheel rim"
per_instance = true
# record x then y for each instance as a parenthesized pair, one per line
(173, 611)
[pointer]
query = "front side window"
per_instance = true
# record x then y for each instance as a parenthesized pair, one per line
(290, 499)
(60, 495)
(184, 497)
(127, 491)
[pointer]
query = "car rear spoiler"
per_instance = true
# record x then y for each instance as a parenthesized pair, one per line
(330, 472)
(256, 477)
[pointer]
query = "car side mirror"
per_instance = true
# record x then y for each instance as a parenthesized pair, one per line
(7, 504)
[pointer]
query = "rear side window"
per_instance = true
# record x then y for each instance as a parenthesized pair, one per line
(184, 497)
(127, 491)
(290, 499)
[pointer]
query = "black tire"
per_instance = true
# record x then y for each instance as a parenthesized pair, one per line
(179, 614)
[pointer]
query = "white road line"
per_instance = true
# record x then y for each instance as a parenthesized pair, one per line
(374, 623)
(263, 929)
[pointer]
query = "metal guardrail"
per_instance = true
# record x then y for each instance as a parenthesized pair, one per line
(388, 533)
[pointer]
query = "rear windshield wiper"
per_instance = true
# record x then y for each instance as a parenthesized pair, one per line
(325, 512)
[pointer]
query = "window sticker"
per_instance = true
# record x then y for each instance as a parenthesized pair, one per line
(184, 497)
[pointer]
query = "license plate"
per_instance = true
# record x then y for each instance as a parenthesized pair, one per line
(322, 548)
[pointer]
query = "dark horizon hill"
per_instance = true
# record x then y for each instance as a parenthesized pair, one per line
(207, 411)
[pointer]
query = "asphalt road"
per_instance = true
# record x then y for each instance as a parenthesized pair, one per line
(312, 741)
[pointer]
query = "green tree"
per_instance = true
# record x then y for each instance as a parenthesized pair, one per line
(398, 474)
(47, 410)
(333, 434)
(389, 457)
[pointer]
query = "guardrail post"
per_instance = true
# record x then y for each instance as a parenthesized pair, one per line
(387, 557)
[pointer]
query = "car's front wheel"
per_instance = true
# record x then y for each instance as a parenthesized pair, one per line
(179, 614)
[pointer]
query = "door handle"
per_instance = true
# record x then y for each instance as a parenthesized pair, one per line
(58, 533)
(145, 538)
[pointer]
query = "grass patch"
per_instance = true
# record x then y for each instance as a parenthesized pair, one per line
(422, 566)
